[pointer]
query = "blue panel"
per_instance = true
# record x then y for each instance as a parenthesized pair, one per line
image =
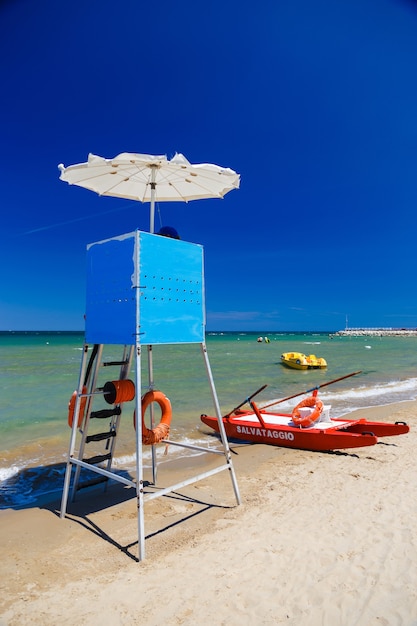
(111, 296)
(171, 291)
(166, 275)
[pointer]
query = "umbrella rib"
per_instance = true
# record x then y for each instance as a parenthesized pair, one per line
(202, 180)
(196, 184)
(122, 177)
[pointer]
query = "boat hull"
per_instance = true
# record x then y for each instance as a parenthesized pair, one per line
(277, 430)
(294, 364)
(299, 361)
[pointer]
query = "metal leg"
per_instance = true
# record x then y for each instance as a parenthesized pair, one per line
(221, 425)
(77, 406)
(92, 383)
(139, 457)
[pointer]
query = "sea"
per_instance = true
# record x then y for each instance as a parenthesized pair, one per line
(39, 371)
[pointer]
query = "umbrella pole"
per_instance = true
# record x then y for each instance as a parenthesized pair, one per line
(150, 356)
(153, 187)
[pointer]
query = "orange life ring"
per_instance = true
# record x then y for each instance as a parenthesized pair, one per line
(311, 402)
(71, 408)
(161, 431)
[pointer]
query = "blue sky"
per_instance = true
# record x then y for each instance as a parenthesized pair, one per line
(313, 104)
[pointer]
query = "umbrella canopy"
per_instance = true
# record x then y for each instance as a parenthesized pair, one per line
(148, 178)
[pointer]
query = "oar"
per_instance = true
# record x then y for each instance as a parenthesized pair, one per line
(336, 380)
(257, 413)
(247, 400)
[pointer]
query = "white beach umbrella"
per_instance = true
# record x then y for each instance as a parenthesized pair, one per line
(148, 178)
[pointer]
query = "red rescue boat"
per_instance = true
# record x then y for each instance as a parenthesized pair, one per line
(292, 430)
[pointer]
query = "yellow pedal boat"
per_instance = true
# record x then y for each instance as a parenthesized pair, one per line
(299, 361)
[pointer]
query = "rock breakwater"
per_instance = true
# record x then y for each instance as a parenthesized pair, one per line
(376, 332)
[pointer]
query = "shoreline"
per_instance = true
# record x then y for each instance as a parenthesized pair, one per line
(345, 520)
(53, 465)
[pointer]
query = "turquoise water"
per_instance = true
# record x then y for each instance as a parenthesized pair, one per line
(39, 372)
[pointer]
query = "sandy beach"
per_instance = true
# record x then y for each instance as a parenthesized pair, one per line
(318, 539)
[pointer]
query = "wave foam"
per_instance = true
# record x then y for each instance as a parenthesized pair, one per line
(359, 397)
(8, 472)
(398, 388)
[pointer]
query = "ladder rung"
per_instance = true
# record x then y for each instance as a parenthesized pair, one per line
(101, 436)
(99, 458)
(109, 363)
(106, 413)
(92, 482)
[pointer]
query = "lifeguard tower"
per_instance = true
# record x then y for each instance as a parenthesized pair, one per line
(143, 290)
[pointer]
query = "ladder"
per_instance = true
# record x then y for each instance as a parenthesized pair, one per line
(90, 390)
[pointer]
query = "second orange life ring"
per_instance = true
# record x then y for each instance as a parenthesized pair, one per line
(71, 407)
(311, 402)
(161, 431)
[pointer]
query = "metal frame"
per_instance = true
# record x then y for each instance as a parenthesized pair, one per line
(141, 495)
